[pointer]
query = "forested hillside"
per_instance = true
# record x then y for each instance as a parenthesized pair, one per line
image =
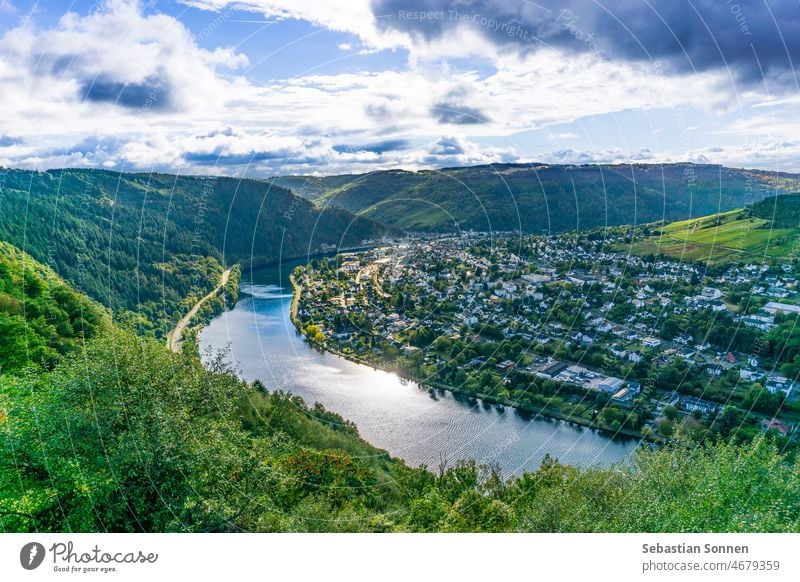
(779, 212)
(41, 318)
(542, 198)
(152, 244)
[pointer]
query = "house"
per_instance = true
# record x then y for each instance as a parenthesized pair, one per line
(651, 342)
(509, 287)
(635, 357)
(750, 375)
(611, 385)
(777, 292)
(505, 365)
(618, 352)
(579, 278)
(777, 383)
(634, 387)
(553, 369)
(710, 293)
(690, 404)
(773, 307)
(672, 399)
(623, 395)
(350, 266)
(776, 425)
(759, 321)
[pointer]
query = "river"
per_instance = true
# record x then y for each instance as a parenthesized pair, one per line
(412, 423)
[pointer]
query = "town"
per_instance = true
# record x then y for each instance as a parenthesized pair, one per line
(572, 327)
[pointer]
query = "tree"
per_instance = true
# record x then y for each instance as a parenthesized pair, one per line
(669, 329)
(665, 427)
(670, 412)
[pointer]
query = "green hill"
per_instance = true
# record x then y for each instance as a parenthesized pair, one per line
(41, 318)
(541, 198)
(767, 230)
(779, 211)
(152, 244)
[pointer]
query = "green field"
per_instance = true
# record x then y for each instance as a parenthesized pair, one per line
(733, 236)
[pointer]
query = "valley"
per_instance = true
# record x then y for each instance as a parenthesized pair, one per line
(103, 428)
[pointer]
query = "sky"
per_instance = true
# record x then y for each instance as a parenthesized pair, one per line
(268, 87)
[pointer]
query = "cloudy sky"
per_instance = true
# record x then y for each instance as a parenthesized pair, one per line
(264, 87)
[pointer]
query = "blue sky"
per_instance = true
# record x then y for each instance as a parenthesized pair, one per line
(264, 87)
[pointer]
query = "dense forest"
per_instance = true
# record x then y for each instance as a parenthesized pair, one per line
(149, 245)
(104, 430)
(780, 211)
(541, 198)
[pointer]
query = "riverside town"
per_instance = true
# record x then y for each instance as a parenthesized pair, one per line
(570, 326)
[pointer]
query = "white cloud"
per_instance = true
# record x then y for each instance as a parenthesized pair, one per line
(605, 156)
(189, 109)
(780, 155)
(353, 16)
(562, 136)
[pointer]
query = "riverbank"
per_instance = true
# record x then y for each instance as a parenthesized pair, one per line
(539, 411)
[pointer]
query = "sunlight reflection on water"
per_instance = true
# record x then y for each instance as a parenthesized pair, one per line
(411, 422)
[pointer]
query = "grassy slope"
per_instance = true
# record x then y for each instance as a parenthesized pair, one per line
(734, 236)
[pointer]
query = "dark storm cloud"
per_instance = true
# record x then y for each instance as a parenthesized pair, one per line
(224, 159)
(149, 95)
(85, 147)
(458, 114)
(380, 147)
(753, 38)
(8, 140)
(447, 146)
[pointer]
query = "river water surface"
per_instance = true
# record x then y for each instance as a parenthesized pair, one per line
(410, 422)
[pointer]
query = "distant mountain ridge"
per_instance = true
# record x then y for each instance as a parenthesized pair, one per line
(541, 197)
